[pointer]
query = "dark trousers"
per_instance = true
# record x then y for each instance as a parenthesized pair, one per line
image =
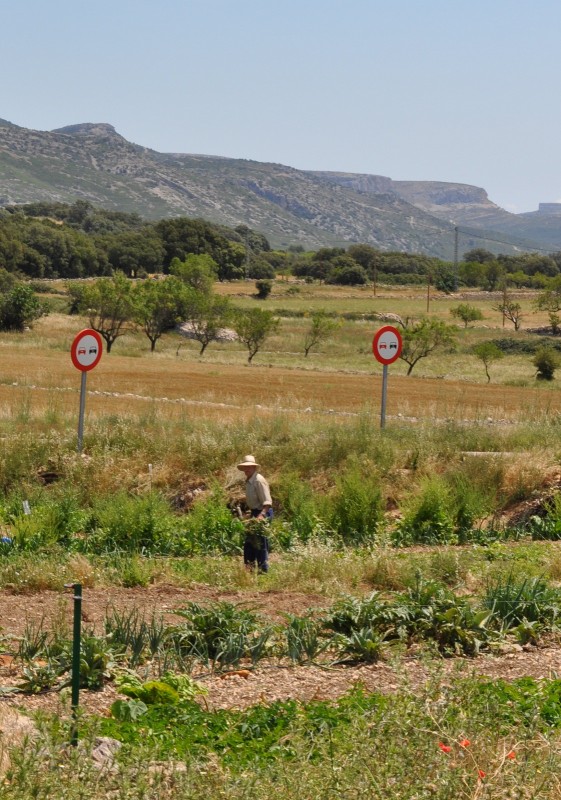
(256, 546)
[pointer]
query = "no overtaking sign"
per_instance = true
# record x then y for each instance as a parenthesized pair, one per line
(386, 346)
(85, 353)
(86, 350)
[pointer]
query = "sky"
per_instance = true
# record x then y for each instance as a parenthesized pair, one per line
(464, 91)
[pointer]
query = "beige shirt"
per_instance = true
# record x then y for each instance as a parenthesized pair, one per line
(257, 492)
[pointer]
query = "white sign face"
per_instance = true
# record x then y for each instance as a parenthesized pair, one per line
(387, 345)
(87, 350)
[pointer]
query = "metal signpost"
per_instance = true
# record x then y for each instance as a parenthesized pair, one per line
(85, 352)
(386, 346)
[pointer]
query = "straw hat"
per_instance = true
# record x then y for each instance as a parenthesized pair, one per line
(248, 461)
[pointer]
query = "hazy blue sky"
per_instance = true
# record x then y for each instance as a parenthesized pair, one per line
(451, 90)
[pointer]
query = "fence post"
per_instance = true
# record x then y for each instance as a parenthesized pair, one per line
(76, 648)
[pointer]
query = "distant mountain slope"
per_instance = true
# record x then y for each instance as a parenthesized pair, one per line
(463, 205)
(92, 161)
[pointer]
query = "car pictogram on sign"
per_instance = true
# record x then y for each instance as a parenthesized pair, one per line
(82, 351)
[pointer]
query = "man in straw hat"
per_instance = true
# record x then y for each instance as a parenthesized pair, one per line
(258, 498)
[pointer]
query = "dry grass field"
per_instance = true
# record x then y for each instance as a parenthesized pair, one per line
(342, 377)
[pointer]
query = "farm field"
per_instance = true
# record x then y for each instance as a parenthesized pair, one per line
(405, 642)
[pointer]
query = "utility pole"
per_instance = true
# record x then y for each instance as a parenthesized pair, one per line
(455, 258)
(247, 253)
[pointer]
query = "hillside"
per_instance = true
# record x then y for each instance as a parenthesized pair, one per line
(467, 206)
(93, 162)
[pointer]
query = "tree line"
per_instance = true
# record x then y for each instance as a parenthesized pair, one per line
(58, 240)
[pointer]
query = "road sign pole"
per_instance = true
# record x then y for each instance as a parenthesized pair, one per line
(85, 353)
(82, 410)
(386, 346)
(384, 394)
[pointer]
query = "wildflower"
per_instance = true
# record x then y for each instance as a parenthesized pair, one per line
(464, 743)
(445, 747)
(480, 774)
(511, 755)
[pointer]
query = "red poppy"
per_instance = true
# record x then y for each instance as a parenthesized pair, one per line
(511, 755)
(445, 747)
(465, 743)
(480, 774)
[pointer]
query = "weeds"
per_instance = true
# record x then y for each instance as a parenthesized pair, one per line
(519, 601)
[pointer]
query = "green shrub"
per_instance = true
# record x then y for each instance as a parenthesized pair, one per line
(546, 361)
(264, 288)
(210, 527)
(298, 505)
(356, 508)
(429, 520)
(548, 527)
(221, 633)
(131, 524)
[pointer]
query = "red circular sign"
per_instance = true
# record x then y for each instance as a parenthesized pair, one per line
(86, 350)
(387, 344)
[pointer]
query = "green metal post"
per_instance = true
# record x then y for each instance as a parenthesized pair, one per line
(76, 659)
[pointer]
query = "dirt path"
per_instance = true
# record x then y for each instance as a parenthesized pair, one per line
(19, 610)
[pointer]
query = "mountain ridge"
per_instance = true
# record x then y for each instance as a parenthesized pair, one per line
(92, 161)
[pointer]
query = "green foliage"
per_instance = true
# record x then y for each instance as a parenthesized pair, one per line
(264, 288)
(356, 507)
(132, 636)
(207, 314)
(546, 360)
(445, 278)
(321, 328)
(429, 519)
(198, 272)
(422, 338)
(304, 639)
(19, 308)
(549, 526)
(253, 327)
(158, 305)
(210, 527)
(128, 710)
(345, 272)
(135, 253)
(298, 502)
(515, 601)
(126, 523)
(109, 304)
(221, 633)
(95, 661)
(152, 693)
(466, 313)
(511, 311)
(487, 352)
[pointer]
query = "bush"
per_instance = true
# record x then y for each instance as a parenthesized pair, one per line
(20, 308)
(348, 276)
(546, 361)
(429, 519)
(210, 527)
(264, 288)
(131, 524)
(357, 510)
